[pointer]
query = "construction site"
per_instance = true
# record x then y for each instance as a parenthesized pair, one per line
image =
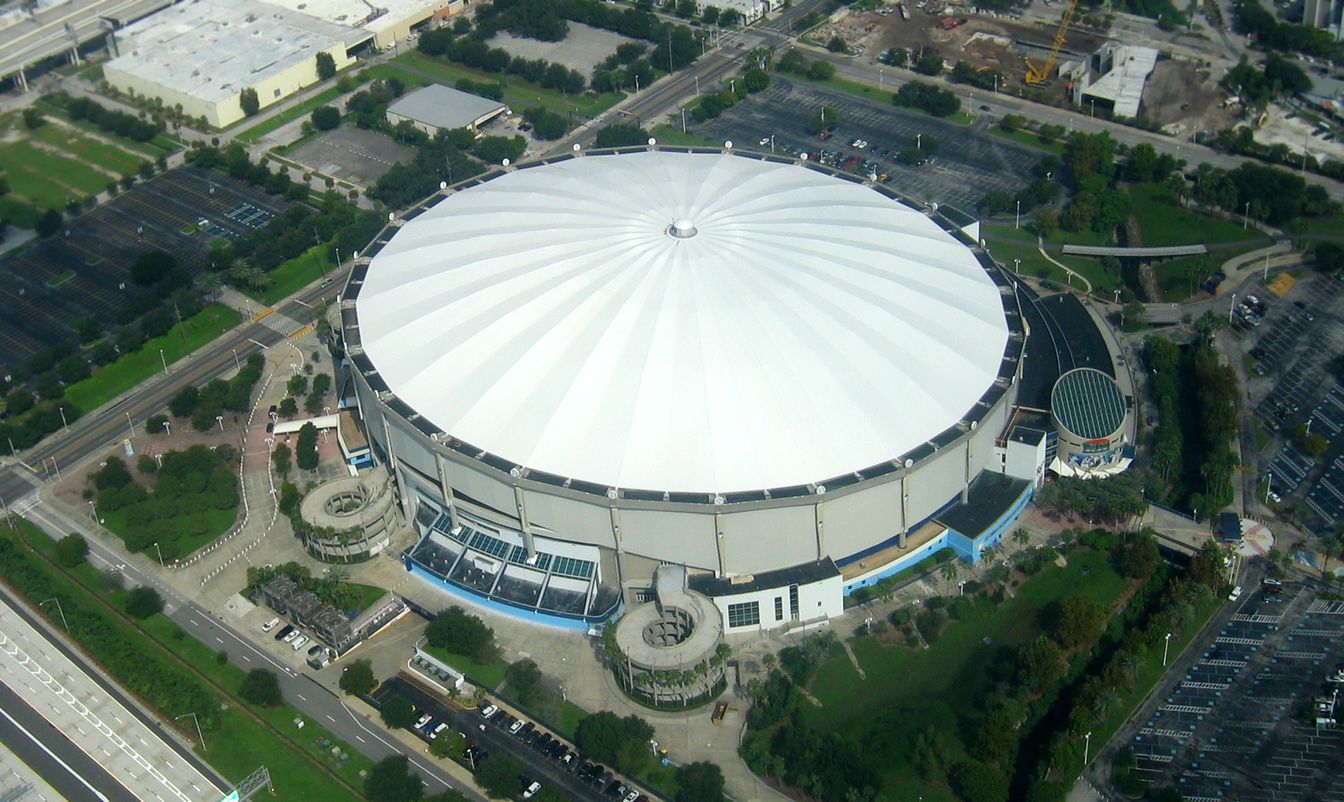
(1066, 60)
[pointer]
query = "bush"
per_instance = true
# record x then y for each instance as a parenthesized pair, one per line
(976, 782)
(71, 550)
(142, 602)
(48, 224)
(261, 687)
(620, 742)
(357, 679)
(249, 102)
(326, 118)
(326, 66)
(306, 448)
(698, 782)
(459, 632)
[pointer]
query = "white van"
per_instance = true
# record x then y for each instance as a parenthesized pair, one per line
(270, 625)
(298, 642)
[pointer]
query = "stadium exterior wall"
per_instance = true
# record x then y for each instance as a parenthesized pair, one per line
(726, 539)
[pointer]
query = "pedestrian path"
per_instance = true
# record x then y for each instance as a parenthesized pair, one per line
(98, 724)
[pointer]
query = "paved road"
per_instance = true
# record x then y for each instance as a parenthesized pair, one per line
(110, 688)
(61, 764)
(95, 431)
(300, 689)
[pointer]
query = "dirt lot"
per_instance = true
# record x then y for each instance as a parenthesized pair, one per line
(1184, 97)
(583, 49)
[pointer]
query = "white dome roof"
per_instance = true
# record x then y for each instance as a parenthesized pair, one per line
(682, 322)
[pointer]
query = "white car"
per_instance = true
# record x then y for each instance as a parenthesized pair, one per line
(422, 721)
(515, 726)
(298, 642)
(437, 730)
(270, 625)
(632, 796)
(489, 710)
(765, 140)
(1235, 594)
(532, 790)
(291, 636)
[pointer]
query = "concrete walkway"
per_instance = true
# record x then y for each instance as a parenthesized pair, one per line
(1087, 285)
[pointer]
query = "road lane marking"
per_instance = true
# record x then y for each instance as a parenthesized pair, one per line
(53, 756)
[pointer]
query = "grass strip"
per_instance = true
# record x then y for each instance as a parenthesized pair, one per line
(518, 94)
(111, 380)
(289, 115)
(242, 740)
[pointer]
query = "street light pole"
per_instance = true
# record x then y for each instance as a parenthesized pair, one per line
(1017, 219)
(236, 364)
(164, 360)
(160, 551)
(130, 424)
(64, 425)
(1246, 216)
(198, 727)
(1269, 484)
(64, 623)
(1166, 643)
(1087, 748)
(1232, 307)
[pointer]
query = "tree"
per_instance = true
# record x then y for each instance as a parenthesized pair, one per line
(288, 407)
(391, 780)
(32, 118)
(358, 679)
(1039, 664)
(837, 45)
(618, 135)
(326, 118)
(142, 602)
(620, 742)
(976, 782)
(929, 64)
(1047, 222)
(71, 550)
(397, 713)
(326, 66)
(281, 458)
(313, 404)
(262, 688)
(821, 71)
(500, 776)
(298, 384)
(1078, 621)
(306, 448)
(459, 632)
(450, 743)
(248, 101)
(48, 224)
(699, 781)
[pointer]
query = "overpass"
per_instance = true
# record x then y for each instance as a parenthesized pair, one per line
(1135, 253)
(27, 39)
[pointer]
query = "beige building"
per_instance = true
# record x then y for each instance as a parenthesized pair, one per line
(202, 54)
(389, 22)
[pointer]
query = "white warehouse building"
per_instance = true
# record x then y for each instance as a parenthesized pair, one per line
(784, 379)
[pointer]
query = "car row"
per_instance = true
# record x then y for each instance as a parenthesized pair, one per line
(318, 655)
(556, 750)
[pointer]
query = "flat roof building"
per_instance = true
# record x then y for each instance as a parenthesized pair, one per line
(202, 54)
(437, 108)
(1124, 71)
(387, 20)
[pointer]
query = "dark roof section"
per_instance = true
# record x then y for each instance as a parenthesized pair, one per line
(1088, 403)
(1063, 337)
(1024, 434)
(990, 497)
(795, 575)
(1229, 526)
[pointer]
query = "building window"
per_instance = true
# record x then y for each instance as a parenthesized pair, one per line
(779, 608)
(645, 595)
(747, 614)
(793, 602)
(277, 93)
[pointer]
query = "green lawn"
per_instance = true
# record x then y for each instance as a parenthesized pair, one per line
(116, 378)
(293, 275)
(240, 743)
(181, 545)
(48, 179)
(1029, 139)
(669, 135)
(488, 675)
(18, 212)
(314, 739)
(518, 94)
(907, 691)
(1163, 222)
(88, 149)
(1324, 226)
(161, 145)
(256, 132)
(1007, 244)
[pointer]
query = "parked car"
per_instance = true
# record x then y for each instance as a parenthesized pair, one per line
(489, 710)
(290, 636)
(270, 625)
(285, 632)
(532, 790)
(298, 642)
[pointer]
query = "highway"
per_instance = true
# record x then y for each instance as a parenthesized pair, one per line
(60, 763)
(45, 35)
(300, 689)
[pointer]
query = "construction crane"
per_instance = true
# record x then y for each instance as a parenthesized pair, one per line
(1035, 74)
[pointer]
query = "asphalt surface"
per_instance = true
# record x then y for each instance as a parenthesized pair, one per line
(57, 742)
(496, 741)
(61, 764)
(967, 163)
(95, 431)
(300, 689)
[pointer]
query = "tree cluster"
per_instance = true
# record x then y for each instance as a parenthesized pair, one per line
(546, 125)
(490, 89)
(114, 122)
(443, 157)
(966, 72)
(325, 118)
(234, 161)
(1254, 20)
(622, 743)
(460, 632)
(1100, 502)
(796, 63)
(1267, 193)
(473, 51)
(203, 406)
(333, 587)
(928, 98)
(188, 486)
(622, 69)
(1274, 77)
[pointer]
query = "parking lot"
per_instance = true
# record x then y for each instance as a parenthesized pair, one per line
(547, 758)
(1291, 388)
(85, 269)
(351, 154)
(968, 163)
(1247, 721)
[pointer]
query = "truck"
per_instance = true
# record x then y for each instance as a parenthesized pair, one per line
(905, 12)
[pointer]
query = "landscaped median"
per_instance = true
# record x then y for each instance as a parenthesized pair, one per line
(157, 661)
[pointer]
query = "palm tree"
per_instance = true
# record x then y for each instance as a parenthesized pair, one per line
(1102, 705)
(950, 570)
(1021, 536)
